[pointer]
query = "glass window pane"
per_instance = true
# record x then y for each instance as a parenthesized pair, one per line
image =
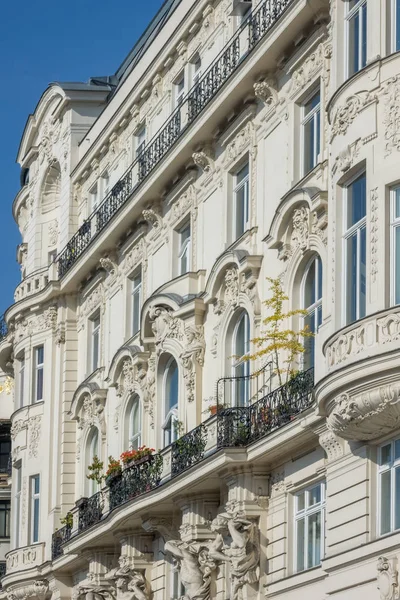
(312, 103)
(309, 149)
(300, 501)
(171, 387)
(36, 520)
(242, 173)
(364, 36)
(396, 194)
(240, 211)
(397, 449)
(354, 44)
(300, 545)
(385, 502)
(309, 286)
(397, 499)
(351, 276)
(39, 355)
(318, 134)
(386, 454)
(363, 271)
(314, 495)
(314, 540)
(39, 384)
(396, 258)
(356, 201)
(397, 25)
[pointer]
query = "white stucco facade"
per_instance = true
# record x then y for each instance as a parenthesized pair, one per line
(234, 147)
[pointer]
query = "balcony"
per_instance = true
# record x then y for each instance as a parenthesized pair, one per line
(22, 559)
(229, 428)
(233, 55)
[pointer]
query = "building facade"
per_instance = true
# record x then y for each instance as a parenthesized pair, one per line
(237, 141)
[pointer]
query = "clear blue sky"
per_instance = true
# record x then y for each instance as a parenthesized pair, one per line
(46, 41)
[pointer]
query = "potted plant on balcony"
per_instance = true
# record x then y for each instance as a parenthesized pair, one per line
(114, 470)
(214, 408)
(137, 457)
(68, 520)
(96, 470)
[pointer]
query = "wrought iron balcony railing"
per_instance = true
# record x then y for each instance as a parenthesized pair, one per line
(231, 427)
(259, 22)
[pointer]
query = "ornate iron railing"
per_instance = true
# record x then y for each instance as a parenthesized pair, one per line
(3, 568)
(245, 389)
(240, 426)
(188, 450)
(3, 327)
(60, 537)
(211, 82)
(90, 512)
(136, 480)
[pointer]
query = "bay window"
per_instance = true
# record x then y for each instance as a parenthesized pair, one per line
(355, 249)
(309, 517)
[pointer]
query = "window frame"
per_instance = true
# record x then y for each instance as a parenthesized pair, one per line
(95, 331)
(312, 310)
(136, 291)
(243, 316)
(38, 368)
(315, 116)
(244, 183)
(7, 517)
(390, 467)
(140, 145)
(137, 437)
(21, 379)
(305, 514)
(92, 450)
(170, 417)
(178, 96)
(34, 529)
(184, 248)
(349, 232)
(349, 15)
(394, 224)
(17, 504)
(394, 9)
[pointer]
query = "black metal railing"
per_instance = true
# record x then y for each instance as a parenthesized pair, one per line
(3, 327)
(136, 480)
(240, 426)
(236, 427)
(224, 65)
(90, 511)
(60, 537)
(3, 568)
(244, 389)
(188, 450)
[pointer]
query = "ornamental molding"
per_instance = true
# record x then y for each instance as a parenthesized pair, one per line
(38, 590)
(390, 92)
(236, 287)
(347, 112)
(17, 427)
(332, 445)
(162, 525)
(346, 158)
(153, 217)
(186, 201)
(139, 375)
(374, 233)
(91, 412)
(204, 159)
(302, 225)
(24, 558)
(31, 325)
(303, 76)
(34, 430)
(366, 415)
(245, 139)
(52, 230)
(266, 90)
(387, 578)
(135, 256)
(90, 303)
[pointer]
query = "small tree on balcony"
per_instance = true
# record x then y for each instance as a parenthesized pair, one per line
(286, 346)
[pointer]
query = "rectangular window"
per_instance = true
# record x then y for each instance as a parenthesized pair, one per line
(21, 380)
(136, 291)
(309, 527)
(140, 141)
(94, 197)
(104, 185)
(179, 89)
(395, 245)
(395, 21)
(95, 341)
(184, 249)
(5, 510)
(355, 249)
(195, 66)
(241, 201)
(389, 487)
(17, 503)
(311, 131)
(5, 450)
(35, 508)
(39, 372)
(356, 27)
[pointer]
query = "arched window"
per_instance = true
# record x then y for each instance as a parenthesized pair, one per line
(171, 397)
(51, 187)
(240, 394)
(312, 303)
(134, 424)
(92, 450)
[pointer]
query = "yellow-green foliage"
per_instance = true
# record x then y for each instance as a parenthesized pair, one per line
(277, 341)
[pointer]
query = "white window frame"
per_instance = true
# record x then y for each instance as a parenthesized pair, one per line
(235, 400)
(237, 187)
(394, 224)
(17, 504)
(94, 195)
(305, 514)
(35, 509)
(350, 14)
(38, 368)
(179, 95)
(394, 7)
(92, 450)
(195, 71)
(134, 438)
(21, 380)
(136, 300)
(312, 310)
(171, 418)
(140, 141)
(95, 331)
(356, 228)
(184, 248)
(313, 115)
(391, 467)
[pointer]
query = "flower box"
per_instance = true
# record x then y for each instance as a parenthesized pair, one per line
(134, 462)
